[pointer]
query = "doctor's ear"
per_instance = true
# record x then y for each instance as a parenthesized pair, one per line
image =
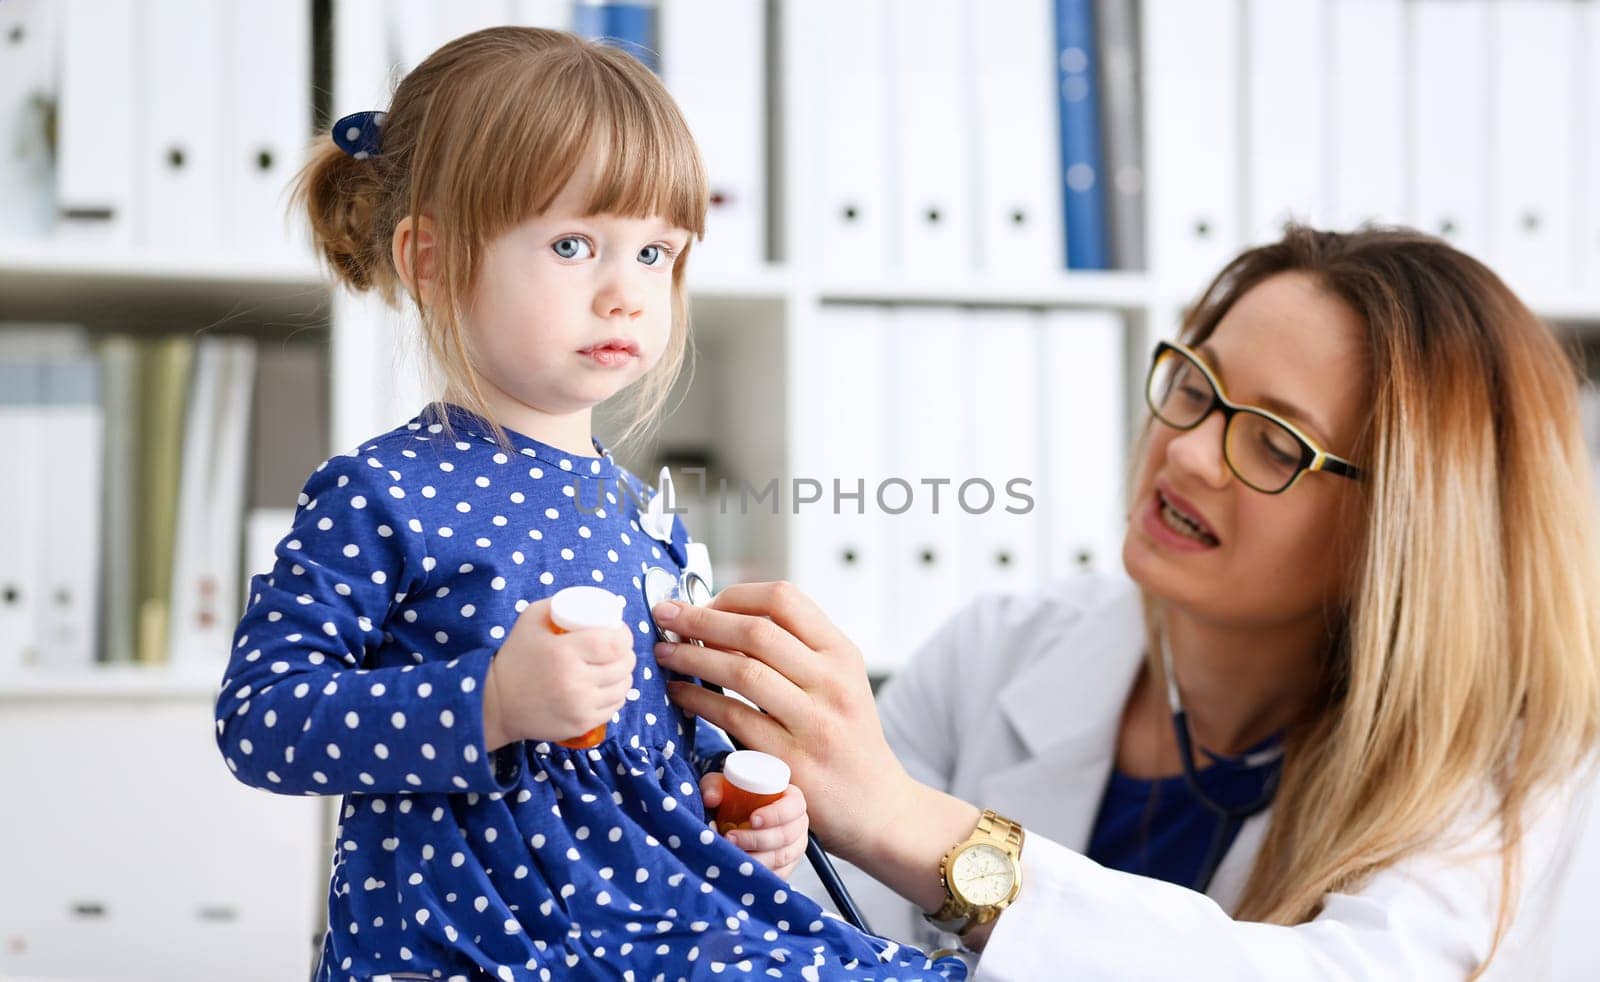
(421, 279)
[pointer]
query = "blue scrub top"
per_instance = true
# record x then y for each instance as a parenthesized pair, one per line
(1158, 828)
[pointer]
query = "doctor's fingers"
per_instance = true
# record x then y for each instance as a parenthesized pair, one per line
(790, 608)
(755, 680)
(763, 640)
(749, 726)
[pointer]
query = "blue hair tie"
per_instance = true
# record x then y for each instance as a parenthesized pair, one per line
(360, 134)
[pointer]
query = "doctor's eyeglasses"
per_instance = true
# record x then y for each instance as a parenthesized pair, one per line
(1263, 450)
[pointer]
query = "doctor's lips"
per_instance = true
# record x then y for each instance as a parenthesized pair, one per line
(1183, 518)
(612, 352)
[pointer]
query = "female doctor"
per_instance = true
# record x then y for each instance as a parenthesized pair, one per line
(1335, 728)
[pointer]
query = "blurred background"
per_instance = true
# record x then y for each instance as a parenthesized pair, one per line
(944, 235)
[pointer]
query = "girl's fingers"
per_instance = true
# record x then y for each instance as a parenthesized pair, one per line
(771, 840)
(787, 809)
(711, 789)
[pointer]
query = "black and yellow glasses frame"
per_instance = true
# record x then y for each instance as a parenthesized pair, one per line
(1312, 457)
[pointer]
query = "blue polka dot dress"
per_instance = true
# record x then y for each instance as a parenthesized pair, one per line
(356, 671)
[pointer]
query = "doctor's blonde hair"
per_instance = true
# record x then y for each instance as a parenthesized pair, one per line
(485, 134)
(1469, 653)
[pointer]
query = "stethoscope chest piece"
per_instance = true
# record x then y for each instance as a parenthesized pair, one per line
(662, 584)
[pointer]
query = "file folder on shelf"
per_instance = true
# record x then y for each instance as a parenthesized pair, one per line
(839, 413)
(1449, 112)
(180, 68)
(1018, 213)
(1535, 99)
(28, 88)
(1082, 168)
(1367, 128)
(1086, 442)
(1192, 99)
(930, 146)
(1285, 86)
(98, 154)
(713, 55)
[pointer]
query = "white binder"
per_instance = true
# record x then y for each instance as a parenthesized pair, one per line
(418, 28)
(193, 590)
(840, 51)
(1449, 112)
(930, 137)
(1004, 545)
(1286, 82)
(377, 354)
(211, 502)
(839, 412)
(181, 53)
(553, 14)
(930, 440)
(713, 59)
(268, 126)
(97, 124)
(27, 89)
(461, 17)
(71, 437)
(1587, 237)
(1535, 96)
(1367, 133)
(1192, 99)
(362, 74)
(21, 490)
(1016, 126)
(1084, 369)
(414, 33)
(225, 528)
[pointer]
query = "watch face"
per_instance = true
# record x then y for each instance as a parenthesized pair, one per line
(982, 874)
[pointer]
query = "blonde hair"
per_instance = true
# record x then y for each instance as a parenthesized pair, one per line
(1467, 655)
(485, 133)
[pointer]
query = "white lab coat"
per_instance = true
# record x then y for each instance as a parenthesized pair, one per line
(1014, 705)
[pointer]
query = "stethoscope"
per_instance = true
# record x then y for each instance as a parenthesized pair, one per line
(1229, 818)
(693, 586)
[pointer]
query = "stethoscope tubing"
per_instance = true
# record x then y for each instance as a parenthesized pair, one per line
(694, 589)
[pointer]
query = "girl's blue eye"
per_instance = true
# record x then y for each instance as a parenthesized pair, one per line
(572, 247)
(651, 254)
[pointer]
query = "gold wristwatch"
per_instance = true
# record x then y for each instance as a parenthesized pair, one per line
(981, 875)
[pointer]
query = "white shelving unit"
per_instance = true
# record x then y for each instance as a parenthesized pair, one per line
(745, 325)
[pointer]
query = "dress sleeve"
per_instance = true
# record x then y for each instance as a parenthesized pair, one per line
(301, 709)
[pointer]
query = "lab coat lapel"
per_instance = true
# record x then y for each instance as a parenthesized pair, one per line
(1065, 710)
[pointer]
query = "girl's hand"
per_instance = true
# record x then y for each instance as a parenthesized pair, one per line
(778, 839)
(547, 686)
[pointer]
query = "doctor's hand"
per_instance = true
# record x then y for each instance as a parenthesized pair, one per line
(778, 837)
(771, 643)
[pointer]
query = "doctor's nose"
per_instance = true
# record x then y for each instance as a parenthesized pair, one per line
(1200, 451)
(619, 297)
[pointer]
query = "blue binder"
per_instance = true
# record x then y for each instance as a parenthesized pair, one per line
(1082, 158)
(629, 26)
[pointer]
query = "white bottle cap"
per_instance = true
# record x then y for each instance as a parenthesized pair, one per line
(756, 772)
(579, 608)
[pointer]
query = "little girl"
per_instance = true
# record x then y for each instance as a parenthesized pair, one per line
(535, 195)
